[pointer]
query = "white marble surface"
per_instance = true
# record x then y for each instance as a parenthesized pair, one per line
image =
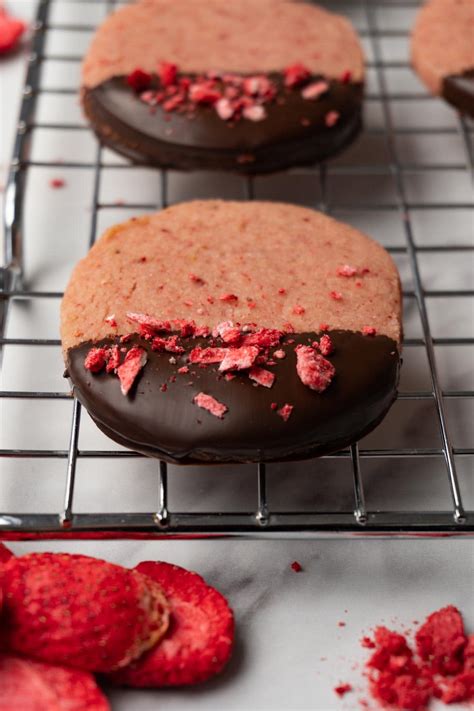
(286, 622)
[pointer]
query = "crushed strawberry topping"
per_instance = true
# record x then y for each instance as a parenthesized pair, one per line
(209, 403)
(263, 338)
(150, 323)
(336, 295)
(127, 372)
(207, 355)
(113, 359)
(285, 412)
(296, 567)
(57, 183)
(239, 358)
(262, 376)
(139, 80)
(295, 75)
(326, 345)
(313, 370)
(228, 297)
(96, 359)
(444, 667)
(233, 97)
(331, 118)
(299, 310)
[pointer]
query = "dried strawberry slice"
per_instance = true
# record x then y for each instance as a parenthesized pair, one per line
(113, 359)
(285, 411)
(314, 371)
(131, 366)
(200, 637)
(209, 403)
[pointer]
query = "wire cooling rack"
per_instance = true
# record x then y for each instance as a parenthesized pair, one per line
(317, 511)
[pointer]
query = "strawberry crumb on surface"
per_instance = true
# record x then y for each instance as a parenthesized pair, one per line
(342, 689)
(296, 567)
(441, 666)
(285, 411)
(209, 403)
(57, 183)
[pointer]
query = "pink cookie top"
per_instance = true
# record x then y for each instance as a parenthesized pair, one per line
(242, 36)
(213, 261)
(443, 40)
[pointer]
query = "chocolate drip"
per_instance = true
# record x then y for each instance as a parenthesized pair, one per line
(166, 423)
(458, 89)
(293, 133)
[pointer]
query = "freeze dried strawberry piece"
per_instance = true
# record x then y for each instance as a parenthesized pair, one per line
(169, 344)
(113, 359)
(441, 640)
(27, 685)
(228, 297)
(96, 359)
(228, 332)
(111, 321)
(167, 73)
(224, 109)
(326, 345)
(78, 611)
(239, 358)
(202, 332)
(153, 324)
(295, 75)
(313, 370)
(262, 376)
(315, 90)
(127, 372)
(458, 689)
(336, 295)
(11, 30)
(5, 553)
(186, 328)
(331, 118)
(184, 369)
(203, 93)
(346, 76)
(200, 638)
(369, 331)
(207, 355)
(209, 403)
(254, 113)
(280, 354)
(296, 567)
(346, 270)
(263, 338)
(139, 80)
(285, 411)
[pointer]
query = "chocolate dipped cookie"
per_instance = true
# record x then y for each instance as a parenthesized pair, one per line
(442, 50)
(243, 86)
(234, 332)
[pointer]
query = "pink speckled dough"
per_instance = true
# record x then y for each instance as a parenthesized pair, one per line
(443, 40)
(237, 36)
(252, 250)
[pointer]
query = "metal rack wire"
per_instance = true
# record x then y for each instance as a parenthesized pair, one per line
(261, 520)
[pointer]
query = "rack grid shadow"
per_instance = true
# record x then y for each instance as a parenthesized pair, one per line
(330, 494)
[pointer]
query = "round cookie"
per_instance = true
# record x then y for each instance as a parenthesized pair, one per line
(442, 50)
(243, 86)
(218, 331)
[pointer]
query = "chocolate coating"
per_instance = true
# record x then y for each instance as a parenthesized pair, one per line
(458, 90)
(125, 123)
(170, 426)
